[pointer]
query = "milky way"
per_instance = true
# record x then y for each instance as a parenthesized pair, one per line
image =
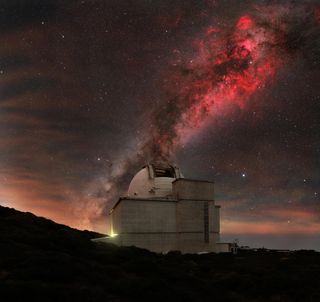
(229, 64)
(92, 90)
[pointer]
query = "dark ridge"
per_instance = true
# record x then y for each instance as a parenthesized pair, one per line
(44, 261)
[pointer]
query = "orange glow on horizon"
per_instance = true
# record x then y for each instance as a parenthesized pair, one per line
(269, 227)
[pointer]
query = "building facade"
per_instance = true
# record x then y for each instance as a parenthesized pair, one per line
(163, 211)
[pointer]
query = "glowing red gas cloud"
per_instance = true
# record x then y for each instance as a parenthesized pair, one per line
(229, 65)
(245, 23)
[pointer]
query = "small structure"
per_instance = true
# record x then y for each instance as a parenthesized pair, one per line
(164, 212)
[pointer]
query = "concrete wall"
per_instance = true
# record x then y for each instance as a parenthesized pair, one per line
(190, 225)
(165, 242)
(190, 216)
(149, 224)
(162, 225)
(191, 189)
(142, 216)
(116, 220)
(194, 243)
(214, 220)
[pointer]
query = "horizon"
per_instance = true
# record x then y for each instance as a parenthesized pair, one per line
(276, 242)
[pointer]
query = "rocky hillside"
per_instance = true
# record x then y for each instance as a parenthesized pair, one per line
(44, 261)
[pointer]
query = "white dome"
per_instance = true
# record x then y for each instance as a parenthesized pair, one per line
(153, 181)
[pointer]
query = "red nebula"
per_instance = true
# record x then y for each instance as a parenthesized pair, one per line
(244, 23)
(227, 68)
(212, 30)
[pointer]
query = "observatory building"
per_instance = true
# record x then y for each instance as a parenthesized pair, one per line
(163, 211)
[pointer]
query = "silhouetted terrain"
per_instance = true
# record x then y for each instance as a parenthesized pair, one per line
(44, 261)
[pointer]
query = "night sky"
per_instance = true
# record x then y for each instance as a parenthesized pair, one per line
(90, 91)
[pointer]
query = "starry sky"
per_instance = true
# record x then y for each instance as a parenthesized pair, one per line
(92, 90)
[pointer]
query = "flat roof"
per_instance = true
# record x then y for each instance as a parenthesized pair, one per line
(143, 199)
(193, 180)
(148, 199)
